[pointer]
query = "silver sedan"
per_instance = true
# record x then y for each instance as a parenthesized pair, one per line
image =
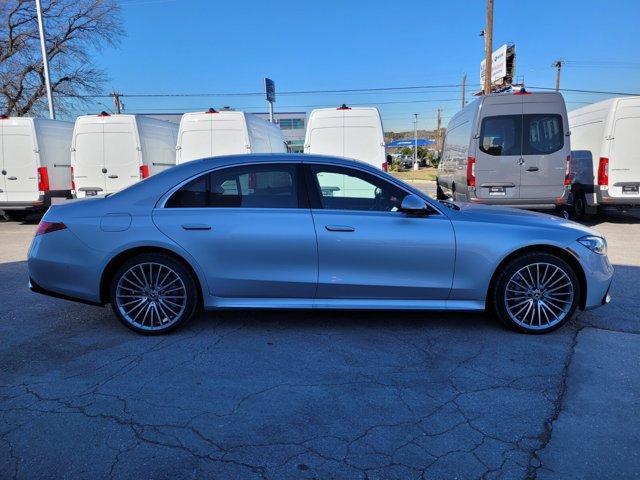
(303, 231)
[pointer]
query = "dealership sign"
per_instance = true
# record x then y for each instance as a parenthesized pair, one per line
(502, 65)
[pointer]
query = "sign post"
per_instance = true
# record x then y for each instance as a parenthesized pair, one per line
(270, 92)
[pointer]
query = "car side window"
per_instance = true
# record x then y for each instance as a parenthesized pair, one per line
(342, 188)
(247, 186)
(501, 135)
(543, 134)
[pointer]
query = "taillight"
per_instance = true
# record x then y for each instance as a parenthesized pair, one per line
(144, 172)
(603, 171)
(43, 179)
(48, 227)
(567, 172)
(73, 180)
(471, 172)
(385, 167)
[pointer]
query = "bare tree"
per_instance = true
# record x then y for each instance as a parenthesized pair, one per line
(76, 30)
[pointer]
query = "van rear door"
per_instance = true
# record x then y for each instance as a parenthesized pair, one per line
(195, 138)
(624, 156)
(121, 155)
(498, 151)
(88, 154)
(545, 149)
(20, 162)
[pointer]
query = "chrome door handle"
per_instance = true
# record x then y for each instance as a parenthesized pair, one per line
(12, 178)
(339, 228)
(532, 169)
(196, 226)
(113, 176)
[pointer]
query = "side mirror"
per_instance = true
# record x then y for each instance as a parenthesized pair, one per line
(414, 205)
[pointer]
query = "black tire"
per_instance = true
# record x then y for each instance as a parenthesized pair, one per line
(580, 210)
(550, 293)
(439, 192)
(163, 309)
(16, 216)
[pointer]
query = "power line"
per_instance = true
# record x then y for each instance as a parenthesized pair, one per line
(599, 92)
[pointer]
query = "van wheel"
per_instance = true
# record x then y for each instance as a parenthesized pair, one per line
(439, 192)
(536, 293)
(153, 293)
(16, 216)
(580, 210)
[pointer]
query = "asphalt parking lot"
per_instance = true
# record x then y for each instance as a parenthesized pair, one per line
(321, 395)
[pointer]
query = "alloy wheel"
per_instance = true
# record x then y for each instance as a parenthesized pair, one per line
(539, 295)
(151, 296)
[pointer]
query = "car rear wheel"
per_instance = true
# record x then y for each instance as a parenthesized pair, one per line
(580, 209)
(536, 293)
(153, 293)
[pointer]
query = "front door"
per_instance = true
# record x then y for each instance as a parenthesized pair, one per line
(250, 230)
(367, 249)
(498, 152)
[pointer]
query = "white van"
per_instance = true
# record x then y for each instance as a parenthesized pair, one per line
(605, 144)
(347, 132)
(214, 133)
(34, 163)
(508, 149)
(111, 152)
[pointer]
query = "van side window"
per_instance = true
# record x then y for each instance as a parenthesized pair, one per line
(342, 188)
(543, 134)
(501, 135)
(250, 186)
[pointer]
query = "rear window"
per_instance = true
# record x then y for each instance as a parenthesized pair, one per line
(501, 135)
(530, 134)
(543, 134)
(251, 186)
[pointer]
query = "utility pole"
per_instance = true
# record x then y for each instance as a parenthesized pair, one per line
(117, 103)
(438, 130)
(45, 61)
(415, 140)
(464, 89)
(558, 64)
(488, 48)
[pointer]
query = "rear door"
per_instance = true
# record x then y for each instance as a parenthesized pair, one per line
(498, 151)
(121, 156)
(20, 162)
(544, 152)
(326, 134)
(3, 172)
(250, 230)
(88, 165)
(195, 138)
(624, 158)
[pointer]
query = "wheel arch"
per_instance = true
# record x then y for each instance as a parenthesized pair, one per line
(559, 252)
(112, 266)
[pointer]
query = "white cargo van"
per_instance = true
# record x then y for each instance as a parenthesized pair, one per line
(111, 152)
(605, 144)
(508, 149)
(226, 132)
(34, 163)
(347, 132)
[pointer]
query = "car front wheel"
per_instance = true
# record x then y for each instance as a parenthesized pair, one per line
(153, 293)
(536, 293)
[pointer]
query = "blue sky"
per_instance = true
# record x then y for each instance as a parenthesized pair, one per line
(209, 46)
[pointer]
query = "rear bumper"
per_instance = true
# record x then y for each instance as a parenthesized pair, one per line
(42, 203)
(34, 287)
(527, 203)
(605, 199)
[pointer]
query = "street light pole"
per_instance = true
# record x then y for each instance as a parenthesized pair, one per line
(45, 61)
